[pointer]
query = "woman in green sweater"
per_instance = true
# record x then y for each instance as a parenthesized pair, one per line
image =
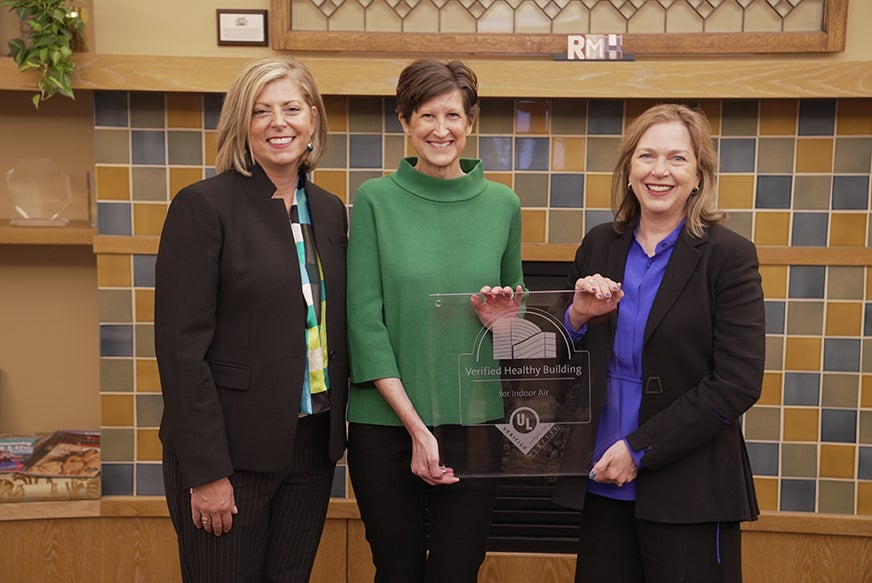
(436, 225)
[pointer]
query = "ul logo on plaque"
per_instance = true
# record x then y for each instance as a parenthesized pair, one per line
(524, 420)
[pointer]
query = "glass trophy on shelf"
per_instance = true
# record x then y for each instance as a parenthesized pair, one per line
(39, 191)
(510, 398)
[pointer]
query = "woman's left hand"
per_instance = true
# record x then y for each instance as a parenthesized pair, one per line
(493, 303)
(616, 466)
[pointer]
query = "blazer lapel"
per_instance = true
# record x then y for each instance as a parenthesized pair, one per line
(682, 264)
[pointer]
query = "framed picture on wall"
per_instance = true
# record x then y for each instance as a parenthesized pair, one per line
(242, 27)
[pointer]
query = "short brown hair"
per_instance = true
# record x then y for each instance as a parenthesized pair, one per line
(425, 79)
(233, 125)
(702, 207)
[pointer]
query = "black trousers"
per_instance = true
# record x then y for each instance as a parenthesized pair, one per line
(281, 515)
(617, 547)
(397, 505)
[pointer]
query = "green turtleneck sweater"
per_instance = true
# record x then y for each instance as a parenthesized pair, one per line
(413, 235)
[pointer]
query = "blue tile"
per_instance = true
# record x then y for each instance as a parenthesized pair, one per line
(797, 495)
(802, 388)
(149, 479)
(212, 103)
(113, 218)
(850, 193)
(209, 172)
(842, 354)
(867, 319)
(495, 152)
(773, 192)
(605, 117)
(365, 151)
(865, 466)
(774, 316)
(110, 108)
(738, 154)
(337, 488)
(817, 117)
(392, 122)
(806, 281)
(764, 458)
(567, 190)
(148, 147)
(594, 218)
(185, 148)
(116, 340)
(810, 229)
(532, 153)
(839, 425)
(117, 479)
(143, 270)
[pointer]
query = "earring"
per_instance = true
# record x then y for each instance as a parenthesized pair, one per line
(694, 191)
(630, 188)
(309, 147)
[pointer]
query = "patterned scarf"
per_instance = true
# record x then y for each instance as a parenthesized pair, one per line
(314, 397)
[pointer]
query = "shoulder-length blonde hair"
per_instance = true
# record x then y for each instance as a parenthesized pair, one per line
(233, 125)
(701, 209)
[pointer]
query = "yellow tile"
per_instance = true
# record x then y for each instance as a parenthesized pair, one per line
(116, 410)
(803, 354)
(767, 493)
(736, 191)
(864, 497)
(597, 191)
(501, 177)
(144, 305)
(800, 424)
(337, 117)
(712, 110)
(531, 116)
(182, 177)
(848, 229)
(335, 181)
(113, 182)
(533, 226)
(854, 117)
(866, 391)
(814, 155)
(567, 154)
(184, 110)
(114, 271)
(148, 448)
(844, 319)
(774, 281)
(210, 147)
(778, 117)
(837, 461)
(147, 378)
(772, 387)
(148, 219)
(772, 228)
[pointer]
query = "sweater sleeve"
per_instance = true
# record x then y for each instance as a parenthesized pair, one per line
(370, 351)
(511, 270)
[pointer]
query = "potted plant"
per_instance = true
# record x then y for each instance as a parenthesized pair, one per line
(52, 30)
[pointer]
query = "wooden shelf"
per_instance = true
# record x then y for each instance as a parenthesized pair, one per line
(77, 233)
(808, 78)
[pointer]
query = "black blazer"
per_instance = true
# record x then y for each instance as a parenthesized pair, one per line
(230, 325)
(702, 368)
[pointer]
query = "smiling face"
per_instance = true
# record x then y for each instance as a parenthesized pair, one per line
(663, 172)
(281, 126)
(438, 129)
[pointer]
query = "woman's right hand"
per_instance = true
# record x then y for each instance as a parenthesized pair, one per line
(213, 506)
(594, 296)
(425, 460)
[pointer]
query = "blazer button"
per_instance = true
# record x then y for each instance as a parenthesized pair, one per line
(331, 355)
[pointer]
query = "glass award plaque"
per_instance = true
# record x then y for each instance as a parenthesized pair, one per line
(510, 397)
(39, 191)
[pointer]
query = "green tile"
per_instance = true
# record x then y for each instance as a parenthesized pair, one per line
(336, 155)
(116, 374)
(865, 422)
(739, 118)
(812, 192)
(602, 154)
(147, 110)
(568, 116)
(845, 282)
(565, 226)
(741, 222)
(144, 340)
(775, 155)
(763, 423)
(840, 390)
(185, 147)
(799, 460)
(149, 184)
(395, 149)
(805, 317)
(115, 305)
(497, 116)
(365, 114)
(111, 146)
(116, 445)
(853, 155)
(835, 497)
(532, 189)
(149, 409)
(774, 353)
(866, 359)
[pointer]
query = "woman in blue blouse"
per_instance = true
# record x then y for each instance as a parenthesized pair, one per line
(669, 304)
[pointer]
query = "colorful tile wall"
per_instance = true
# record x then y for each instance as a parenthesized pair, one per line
(793, 173)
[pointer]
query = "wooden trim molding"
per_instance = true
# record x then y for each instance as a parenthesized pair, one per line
(831, 38)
